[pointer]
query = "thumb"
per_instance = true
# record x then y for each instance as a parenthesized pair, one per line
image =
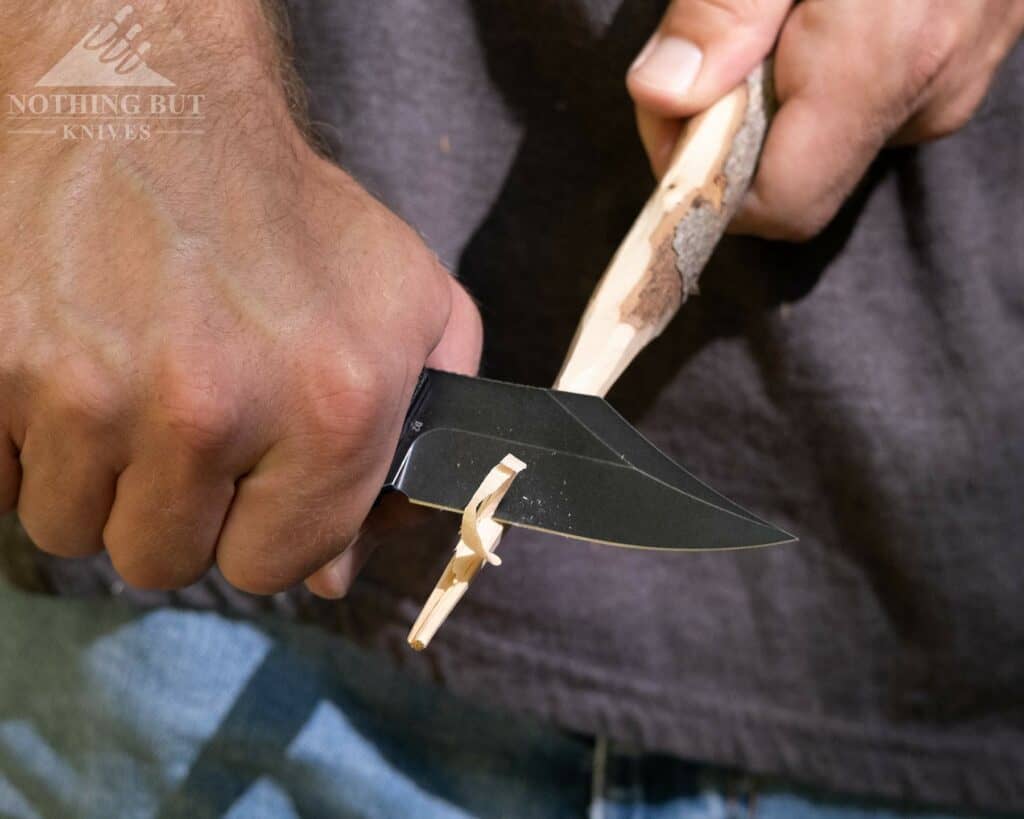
(459, 349)
(701, 51)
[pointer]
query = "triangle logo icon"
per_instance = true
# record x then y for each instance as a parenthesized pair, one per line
(108, 55)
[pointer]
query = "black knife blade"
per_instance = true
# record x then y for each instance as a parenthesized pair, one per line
(590, 474)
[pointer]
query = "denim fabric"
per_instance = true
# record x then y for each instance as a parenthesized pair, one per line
(108, 712)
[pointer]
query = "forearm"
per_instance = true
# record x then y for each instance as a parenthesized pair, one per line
(231, 53)
(228, 118)
(195, 36)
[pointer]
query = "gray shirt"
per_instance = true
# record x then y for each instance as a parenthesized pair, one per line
(865, 391)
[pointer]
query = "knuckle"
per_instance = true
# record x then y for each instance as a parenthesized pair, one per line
(934, 45)
(141, 574)
(784, 216)
(45, 531)
(951, 117)
(258, 566)
(344, 401)
(254, 579)
(797, 228)
(24, 368)
(200, 413)
(83, 394)
(39, 535)
(166, 553)
(151, 570)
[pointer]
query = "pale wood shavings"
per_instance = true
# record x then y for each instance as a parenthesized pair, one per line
(479, 537)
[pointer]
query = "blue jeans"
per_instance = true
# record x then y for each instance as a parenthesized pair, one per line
(108, 712)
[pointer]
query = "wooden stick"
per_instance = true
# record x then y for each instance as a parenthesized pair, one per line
(651, 275)
(659, 263)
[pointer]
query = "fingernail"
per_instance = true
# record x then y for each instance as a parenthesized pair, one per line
(668, 64)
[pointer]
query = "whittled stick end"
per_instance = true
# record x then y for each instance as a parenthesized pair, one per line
(658, 266)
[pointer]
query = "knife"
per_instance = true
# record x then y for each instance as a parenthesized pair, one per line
(591, 475)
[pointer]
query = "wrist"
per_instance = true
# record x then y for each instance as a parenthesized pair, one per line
(181, 30)
(192, 43)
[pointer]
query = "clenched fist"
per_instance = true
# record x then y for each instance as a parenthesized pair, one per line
(851, 77)
(208, 342)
